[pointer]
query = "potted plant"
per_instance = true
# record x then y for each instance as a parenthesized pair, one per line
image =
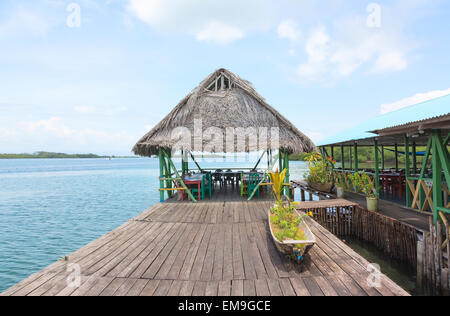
(290, 233)
(365, 184)
(320, 173)
(340, 185)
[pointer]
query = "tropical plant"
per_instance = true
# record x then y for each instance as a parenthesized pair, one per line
(286, 221)
(364, 183)
(338, 179)
(277, 179)
(320, 169)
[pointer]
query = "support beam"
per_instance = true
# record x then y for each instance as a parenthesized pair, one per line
(377, 169)
(396, 158)
(437, 176)
(161, 175)
(259, 161)
(343, 158)
(351, 158)
(407, 171)
(189, 193)
(355, 146)
(264, 177)
(383, 162)
(286, 180)
(414, 157)
(195, 161)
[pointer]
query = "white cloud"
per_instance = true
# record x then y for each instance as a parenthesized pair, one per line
(317, 49)
(418, 98)
(54, 134)
(220, 22)
(220, 33)
(24, 22)
(393, 61)
(288, 29)
(84, 109)
(349, 48)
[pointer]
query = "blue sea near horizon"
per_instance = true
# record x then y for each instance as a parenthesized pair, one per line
(49, 208)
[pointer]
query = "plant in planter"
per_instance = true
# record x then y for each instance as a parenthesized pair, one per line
(320, 174)
(290, 233)
(339, 183)
(365, 184)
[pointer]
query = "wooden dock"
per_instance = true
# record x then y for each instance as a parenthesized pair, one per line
(215, 248)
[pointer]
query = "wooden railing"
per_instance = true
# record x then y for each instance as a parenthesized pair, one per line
(421, 190)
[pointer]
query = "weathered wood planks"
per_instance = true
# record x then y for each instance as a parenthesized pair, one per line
(210, 248)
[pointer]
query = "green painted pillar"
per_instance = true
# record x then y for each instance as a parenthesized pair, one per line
(342, 157)
(414, 158)
(286, 166)
(355, 146)
(383, 165)
(407, 171)
(169, 175)
(351, 158)
(161, 175)
(437, 176)
(280, 160)
(396, 158)
(377, 169)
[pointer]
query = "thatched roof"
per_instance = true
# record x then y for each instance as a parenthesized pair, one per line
(223, 101)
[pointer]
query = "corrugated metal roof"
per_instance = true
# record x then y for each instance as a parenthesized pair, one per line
(422, 111)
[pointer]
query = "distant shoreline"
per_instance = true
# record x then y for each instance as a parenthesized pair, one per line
(50, 155)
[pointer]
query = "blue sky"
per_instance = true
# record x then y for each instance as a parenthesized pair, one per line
(325, 65)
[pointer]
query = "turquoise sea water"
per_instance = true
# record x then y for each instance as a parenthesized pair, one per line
(50, 208)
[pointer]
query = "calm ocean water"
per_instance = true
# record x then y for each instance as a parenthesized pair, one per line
(50, 208)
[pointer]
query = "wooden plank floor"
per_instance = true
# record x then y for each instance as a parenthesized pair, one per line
(218, 247)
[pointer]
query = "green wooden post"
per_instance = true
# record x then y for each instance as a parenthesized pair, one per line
(169, 175)
(407, 171)
(396, 158)
(343, 158)
(355, 146)
(437, 178)
(178, 176)
(382, 158)
(377, 169)
(280, 159)
(422, 172)
(351, 158)
(161, 175)
(286, 180)
(414, 158)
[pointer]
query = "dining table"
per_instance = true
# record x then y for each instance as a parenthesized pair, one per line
(195, 179)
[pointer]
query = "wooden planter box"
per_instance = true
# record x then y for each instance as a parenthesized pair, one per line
(290, 248)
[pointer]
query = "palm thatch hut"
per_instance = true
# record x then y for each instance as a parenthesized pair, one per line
(224, 114)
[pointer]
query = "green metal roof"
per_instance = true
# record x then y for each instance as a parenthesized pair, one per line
(422, 111)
